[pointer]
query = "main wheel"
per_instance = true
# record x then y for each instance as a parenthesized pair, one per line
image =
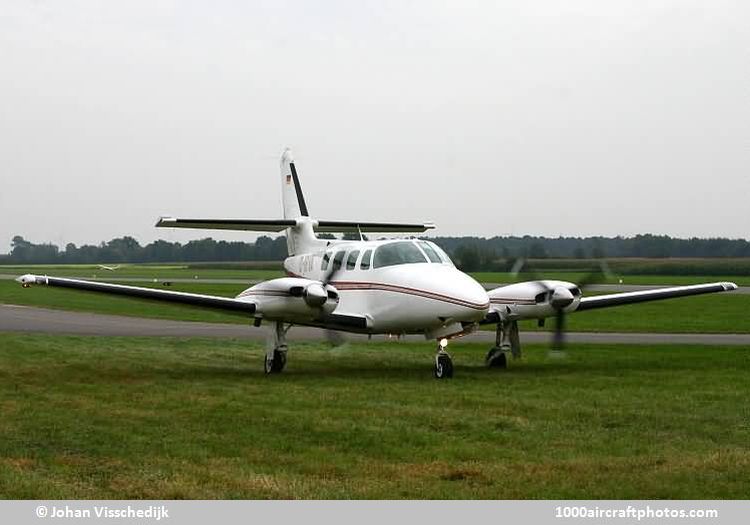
(443, 367)
(496, 358)
(275, 363)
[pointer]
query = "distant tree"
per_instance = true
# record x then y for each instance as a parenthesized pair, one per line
(20, 249)
(597, 251)
(537, 251)
(353, 236)
(467, 258)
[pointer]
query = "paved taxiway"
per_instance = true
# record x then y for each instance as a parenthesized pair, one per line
(31, 319)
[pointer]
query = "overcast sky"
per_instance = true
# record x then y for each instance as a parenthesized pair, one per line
(489, 118)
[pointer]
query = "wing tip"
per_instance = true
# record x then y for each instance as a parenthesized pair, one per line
(729, 286)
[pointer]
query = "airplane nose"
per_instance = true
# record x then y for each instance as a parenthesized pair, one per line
(470, 294)
(561, 298)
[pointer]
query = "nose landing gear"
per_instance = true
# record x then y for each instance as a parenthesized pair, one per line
(443, 361)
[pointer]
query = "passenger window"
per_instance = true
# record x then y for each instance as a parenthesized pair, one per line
(365, 264)
(431, 254)
(324, 262)
(351, 261)
(337, 260)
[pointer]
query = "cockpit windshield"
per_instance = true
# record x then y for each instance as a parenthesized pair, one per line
(441, 253)
(430, 252)
(401, 252)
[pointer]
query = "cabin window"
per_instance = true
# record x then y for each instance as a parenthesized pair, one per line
(403, 252)
(351, 261)
(430, 252)
(365, 264)
(324, 262)
(337, 260)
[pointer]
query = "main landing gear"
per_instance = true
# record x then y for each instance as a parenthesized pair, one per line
(443, 361)
(275, 358)
(506, 341)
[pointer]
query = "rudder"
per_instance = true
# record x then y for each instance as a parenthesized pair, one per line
(293, 201)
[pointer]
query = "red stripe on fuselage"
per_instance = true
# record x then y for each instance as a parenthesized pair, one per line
(365, 285)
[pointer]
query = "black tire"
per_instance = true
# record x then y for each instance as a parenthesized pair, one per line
(275, 364)
(496, 358)
(444, 367)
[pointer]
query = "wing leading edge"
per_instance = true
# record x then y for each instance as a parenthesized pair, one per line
(617, 299)
(215, 302)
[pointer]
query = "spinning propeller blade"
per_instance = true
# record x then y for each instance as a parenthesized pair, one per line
(559, 299)
(333, 337)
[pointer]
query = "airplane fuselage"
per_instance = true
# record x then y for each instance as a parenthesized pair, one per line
(431, 297)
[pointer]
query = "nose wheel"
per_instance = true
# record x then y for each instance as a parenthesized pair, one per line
(443, 361)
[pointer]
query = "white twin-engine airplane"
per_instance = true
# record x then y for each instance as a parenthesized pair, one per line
(377, 287)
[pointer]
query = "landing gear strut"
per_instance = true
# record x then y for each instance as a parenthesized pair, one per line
(443, 361)
(275, 357)
(506, 341)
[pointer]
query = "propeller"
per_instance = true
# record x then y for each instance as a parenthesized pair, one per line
(333, 337)
(560, 298)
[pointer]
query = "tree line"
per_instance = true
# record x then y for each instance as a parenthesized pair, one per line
(471, 253)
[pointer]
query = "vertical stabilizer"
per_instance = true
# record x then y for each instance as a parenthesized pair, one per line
(291, 191)
(300, 238)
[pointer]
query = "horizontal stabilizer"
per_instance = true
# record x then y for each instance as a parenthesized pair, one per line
(253, 225)
(277, 225)
(372, 227)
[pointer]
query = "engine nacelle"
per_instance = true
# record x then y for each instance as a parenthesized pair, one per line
(292, 299)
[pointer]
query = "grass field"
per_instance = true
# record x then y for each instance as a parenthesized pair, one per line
(726, 312)
(89, 417)
(184, 271)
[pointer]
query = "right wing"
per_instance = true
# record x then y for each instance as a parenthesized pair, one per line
(333, 321)
(215, 302)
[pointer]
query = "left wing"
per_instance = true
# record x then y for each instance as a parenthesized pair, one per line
(617, 299)
(207, 301)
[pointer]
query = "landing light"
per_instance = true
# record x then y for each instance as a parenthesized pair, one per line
(443, 343)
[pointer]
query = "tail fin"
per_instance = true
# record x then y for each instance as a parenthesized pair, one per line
(299, 226)
(300, 238)
(291, 191)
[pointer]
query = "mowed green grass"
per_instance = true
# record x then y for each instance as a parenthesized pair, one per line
(91, 417)
(77, 300)
(714, 313)
(183, 271)
(144, 271)
(573, 276)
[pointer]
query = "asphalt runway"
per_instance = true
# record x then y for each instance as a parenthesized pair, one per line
(41, 320)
